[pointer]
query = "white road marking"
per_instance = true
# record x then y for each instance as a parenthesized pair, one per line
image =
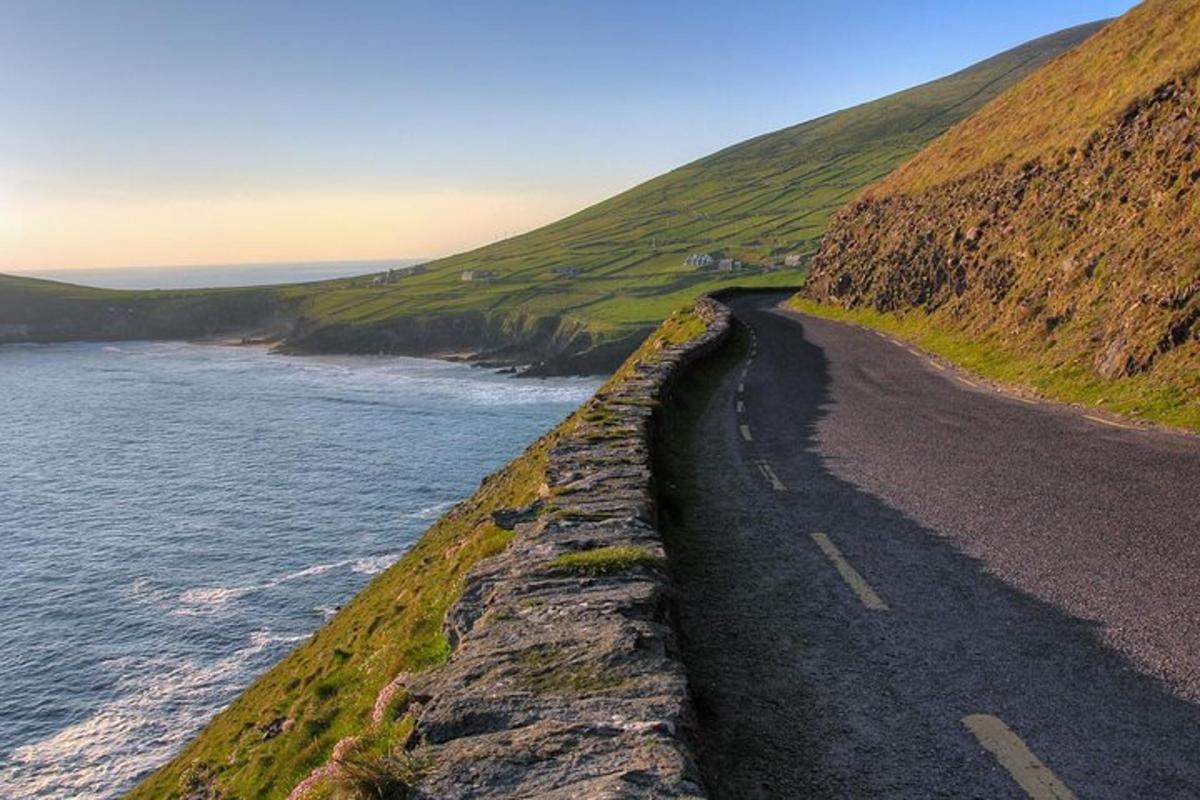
(849, 574)
(745, 429)
(741, 388)
(771, 477)
(1015, 756)
(1110, 423)
(936, 365)
(741, 407)
(1024, 400)
(963, 380)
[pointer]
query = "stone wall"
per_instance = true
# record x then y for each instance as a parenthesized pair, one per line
(565, 679)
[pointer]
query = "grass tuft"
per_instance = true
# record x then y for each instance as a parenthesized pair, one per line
(606, 560)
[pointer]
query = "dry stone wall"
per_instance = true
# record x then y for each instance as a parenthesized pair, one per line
(565, 680)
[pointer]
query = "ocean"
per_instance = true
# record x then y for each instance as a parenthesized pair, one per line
(210, 275)
(176, 517)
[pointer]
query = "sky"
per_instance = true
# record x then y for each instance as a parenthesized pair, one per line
(186, 132)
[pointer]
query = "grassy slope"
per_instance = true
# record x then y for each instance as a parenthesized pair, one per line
(1061, 106)
(328, 686)
(1099, 252)
(758, 200)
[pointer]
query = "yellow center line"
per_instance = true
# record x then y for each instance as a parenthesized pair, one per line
(745, 429)
(849, 574)
(1015, 756)
(771, 477)
(1109, 423)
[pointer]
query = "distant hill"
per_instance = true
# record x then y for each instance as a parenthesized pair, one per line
(1054, 236)
(758, 201)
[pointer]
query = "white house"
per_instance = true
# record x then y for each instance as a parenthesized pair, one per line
(700, 260)
(794, 260)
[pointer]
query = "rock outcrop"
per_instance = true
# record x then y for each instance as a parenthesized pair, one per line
(1073, 239)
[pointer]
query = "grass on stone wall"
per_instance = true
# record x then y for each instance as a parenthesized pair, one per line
(605, 560)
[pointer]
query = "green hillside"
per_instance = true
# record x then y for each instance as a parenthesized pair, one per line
(757, 201)
(1050, 239)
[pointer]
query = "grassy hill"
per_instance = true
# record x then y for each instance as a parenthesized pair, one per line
(758, 201)
(1052, 238)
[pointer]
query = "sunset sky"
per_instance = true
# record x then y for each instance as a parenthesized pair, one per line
(157, 133)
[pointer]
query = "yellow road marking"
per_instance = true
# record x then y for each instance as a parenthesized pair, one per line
(1015, 756)
(1109, 423)
(849, 574)
(771, 477)
(745, 429)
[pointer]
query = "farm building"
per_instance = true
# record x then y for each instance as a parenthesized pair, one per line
(701, 260)
(393, 275)
(477, 274)
(565, 271)
(728, 265)
(793, 260)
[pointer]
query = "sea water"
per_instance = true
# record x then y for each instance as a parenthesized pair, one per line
(176, 517)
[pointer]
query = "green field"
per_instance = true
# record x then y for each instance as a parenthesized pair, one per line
(757, 201)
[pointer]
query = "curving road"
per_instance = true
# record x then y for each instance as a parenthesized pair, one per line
(895, 582)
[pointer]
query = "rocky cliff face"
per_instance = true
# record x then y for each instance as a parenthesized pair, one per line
(551, 344)
(1085, 256)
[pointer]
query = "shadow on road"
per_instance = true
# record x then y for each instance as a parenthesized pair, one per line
(800, 690)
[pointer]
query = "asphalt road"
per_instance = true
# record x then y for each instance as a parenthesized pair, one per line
(895, 582)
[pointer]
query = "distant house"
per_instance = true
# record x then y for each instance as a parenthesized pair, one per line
(393, 275)
(477, 275)
(699, 260)
(728, 265)
(793, 260)
(565, 271)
